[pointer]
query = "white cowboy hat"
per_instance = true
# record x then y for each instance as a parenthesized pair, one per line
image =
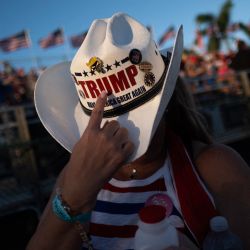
(118, 55)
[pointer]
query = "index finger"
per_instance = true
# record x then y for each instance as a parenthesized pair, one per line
(97, 113)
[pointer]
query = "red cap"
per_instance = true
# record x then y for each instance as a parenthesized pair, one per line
(152, 214)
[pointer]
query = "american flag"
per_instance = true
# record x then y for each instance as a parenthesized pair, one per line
(76, 41)
(17, 41)
(54, 38)
(169, 33)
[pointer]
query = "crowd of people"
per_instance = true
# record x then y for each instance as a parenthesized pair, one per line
(16, 85)
(202, 73)
(216, 70)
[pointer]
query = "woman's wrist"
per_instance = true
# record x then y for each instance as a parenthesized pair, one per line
(64, 212)
(77, 204)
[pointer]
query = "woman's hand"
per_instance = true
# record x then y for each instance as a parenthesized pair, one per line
(95, 158)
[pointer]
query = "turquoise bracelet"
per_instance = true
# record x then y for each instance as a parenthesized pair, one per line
(61, 212)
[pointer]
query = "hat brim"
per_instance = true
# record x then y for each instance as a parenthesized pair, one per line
(60, 112)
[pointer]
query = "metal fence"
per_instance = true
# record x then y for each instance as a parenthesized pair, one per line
(225, 105)
(30, 159)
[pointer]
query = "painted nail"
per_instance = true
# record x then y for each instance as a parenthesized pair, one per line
(103, 94)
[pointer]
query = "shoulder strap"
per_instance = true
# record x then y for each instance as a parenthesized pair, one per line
(195, 202)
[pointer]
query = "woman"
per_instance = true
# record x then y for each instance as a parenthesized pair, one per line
(100, 177)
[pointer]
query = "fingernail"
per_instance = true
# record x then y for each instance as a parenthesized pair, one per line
(103, 94)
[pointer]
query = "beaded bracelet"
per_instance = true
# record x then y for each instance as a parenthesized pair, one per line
(86, 240)
(63, 211)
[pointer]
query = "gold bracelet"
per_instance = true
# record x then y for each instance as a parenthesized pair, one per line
(84, 236)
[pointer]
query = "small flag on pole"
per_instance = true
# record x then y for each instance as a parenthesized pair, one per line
(53, 39)
(198, 39)
(15, 42)
(169, 33)
(76, 41)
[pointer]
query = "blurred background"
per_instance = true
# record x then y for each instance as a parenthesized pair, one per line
(37, 34)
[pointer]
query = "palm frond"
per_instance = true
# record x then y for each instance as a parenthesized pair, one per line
(246, 29)
(224, 16)
(205, 18)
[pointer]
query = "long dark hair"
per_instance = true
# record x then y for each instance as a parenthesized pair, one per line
(183, 117)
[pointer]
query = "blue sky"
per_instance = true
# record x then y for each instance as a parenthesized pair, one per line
(41, 17)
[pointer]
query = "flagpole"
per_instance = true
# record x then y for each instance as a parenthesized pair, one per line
(67, 46)
(33, 57)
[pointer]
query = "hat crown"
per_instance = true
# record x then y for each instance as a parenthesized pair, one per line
(133, 33)
(119, 56)
(120, 32)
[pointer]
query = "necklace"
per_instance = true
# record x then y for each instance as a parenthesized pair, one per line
(133, 174)
(139, 170)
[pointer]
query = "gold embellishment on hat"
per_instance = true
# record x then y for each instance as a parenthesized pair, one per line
(149, 79)
(145, 66)
(96, 64)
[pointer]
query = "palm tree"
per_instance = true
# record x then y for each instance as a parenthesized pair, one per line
(245, 28)
(216, 27)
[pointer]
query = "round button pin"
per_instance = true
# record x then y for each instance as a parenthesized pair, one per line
(162, 200)
(149, 79)
(135, 56)
(145, 66)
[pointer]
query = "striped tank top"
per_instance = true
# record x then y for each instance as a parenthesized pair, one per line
(115, 216)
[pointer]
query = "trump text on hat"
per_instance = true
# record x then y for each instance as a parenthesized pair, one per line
(114, 83)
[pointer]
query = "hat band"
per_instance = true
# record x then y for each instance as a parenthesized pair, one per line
(125, 108)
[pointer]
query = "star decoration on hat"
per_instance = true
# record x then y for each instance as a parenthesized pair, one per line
(92, 72)
(85, 73)
(108, 67)
(117, 64)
